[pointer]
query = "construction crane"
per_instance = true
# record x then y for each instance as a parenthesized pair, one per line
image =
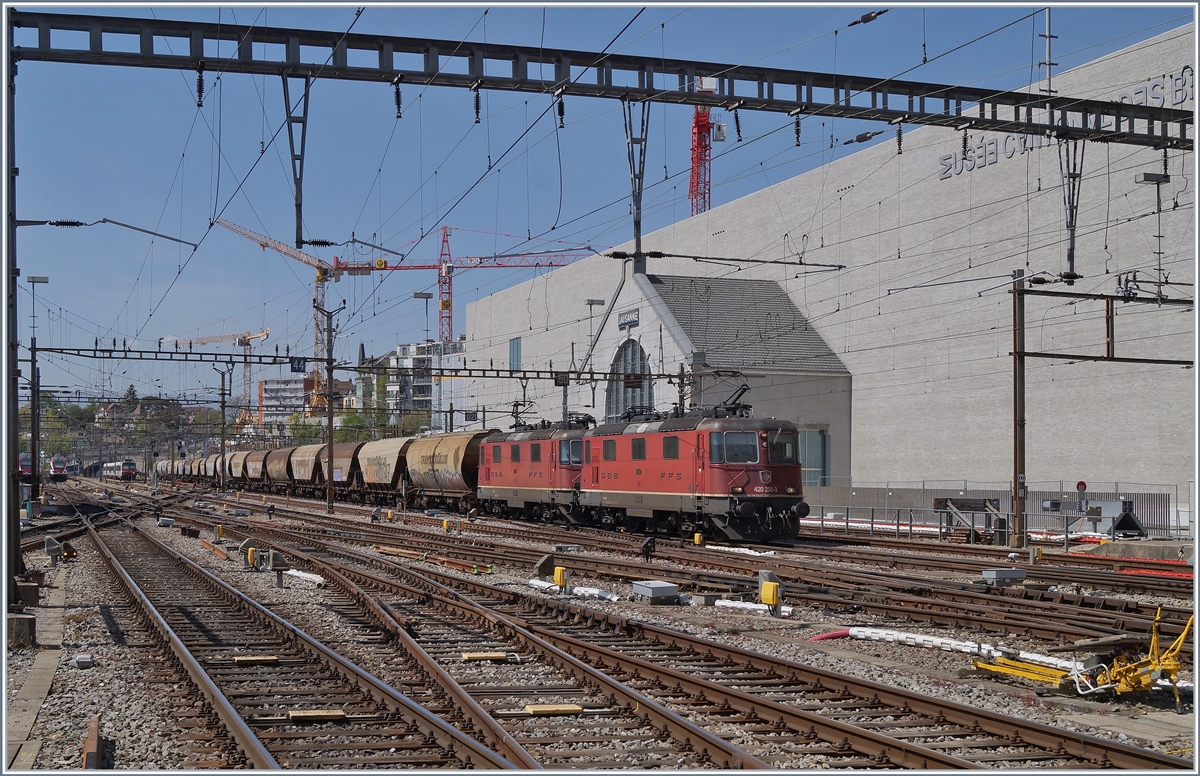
(445, 268)
(243, 341)
(324, 271)
(699, 189)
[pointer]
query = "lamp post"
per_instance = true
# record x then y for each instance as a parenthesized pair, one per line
(426, 296)
(591, 303)
(35, 426)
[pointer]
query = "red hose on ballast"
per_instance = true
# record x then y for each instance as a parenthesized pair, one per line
(837, 634)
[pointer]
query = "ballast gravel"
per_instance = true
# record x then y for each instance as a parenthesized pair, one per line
(142, 718)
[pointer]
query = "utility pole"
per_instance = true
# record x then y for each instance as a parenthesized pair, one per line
(35, 400)
(221, 458)
(328, 400)
(1016, 537)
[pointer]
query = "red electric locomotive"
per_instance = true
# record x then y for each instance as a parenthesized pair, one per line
(738, 478)
(712, 471)
(534, 472)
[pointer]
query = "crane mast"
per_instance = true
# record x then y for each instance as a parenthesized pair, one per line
(324, 271)
(244, 341)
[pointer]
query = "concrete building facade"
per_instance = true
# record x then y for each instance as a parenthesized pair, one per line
(921, 316)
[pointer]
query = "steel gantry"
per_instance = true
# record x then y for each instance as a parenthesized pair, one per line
(622, 76)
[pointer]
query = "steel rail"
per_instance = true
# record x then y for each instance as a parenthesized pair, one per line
(1086, 747)
(1078, 745)
(440, 731)
(494, 734)
(833, 588)
(1093, 749)
(684, 730)
(239, 729)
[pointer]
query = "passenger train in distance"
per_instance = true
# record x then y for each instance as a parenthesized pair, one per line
(121, 470)
(58, 468)
(26, 467)
(712, 470)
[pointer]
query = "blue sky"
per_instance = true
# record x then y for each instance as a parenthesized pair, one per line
(130, 145)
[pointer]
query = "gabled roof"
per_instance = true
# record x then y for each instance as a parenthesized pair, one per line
(745, 325)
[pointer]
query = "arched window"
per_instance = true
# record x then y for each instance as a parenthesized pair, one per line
(630, 392)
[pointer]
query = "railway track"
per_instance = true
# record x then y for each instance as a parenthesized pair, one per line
(794, 710)
(918, 554)
(1057, 616)
(286, 700)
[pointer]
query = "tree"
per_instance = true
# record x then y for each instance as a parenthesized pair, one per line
(302, 431)
(354, 427)
(130, 399)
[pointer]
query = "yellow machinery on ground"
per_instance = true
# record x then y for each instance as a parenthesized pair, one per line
(1120, 664)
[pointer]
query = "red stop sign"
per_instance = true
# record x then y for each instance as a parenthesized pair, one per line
(1081, 486)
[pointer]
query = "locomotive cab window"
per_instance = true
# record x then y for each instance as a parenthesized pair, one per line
(588, 452)
(516, 453)
(716, 447)
(496, 454)
(535, 452)
(638, 449)
(781, 447)
(564, 452)
(741, 447)
(671, 448)
(609, 449)
(576, 451)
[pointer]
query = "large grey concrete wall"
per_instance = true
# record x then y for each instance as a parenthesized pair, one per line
(932, 374)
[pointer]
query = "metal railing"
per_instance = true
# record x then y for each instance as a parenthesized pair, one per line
(917, 508)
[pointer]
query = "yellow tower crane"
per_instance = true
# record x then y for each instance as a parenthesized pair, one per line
(243, 341)
(325, 270)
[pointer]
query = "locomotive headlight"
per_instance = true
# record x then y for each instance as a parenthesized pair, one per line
(737, 490)
(789, 489)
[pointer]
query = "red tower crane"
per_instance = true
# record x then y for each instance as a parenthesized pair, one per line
(445, 269)
(698, 190)
(700, 187)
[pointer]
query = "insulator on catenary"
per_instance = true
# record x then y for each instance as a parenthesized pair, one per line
(476, 106)
(562, 112)
(965, 141)
(797, 130)
(737, 124)
(200, 85)
(398, 99)
(899, 139)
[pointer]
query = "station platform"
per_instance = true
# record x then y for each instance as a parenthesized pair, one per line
(1153, 549)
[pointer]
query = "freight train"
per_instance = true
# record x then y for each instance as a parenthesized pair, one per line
(734, 478)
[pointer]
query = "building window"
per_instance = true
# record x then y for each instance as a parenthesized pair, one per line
(638, 449)
(670, 448)
(632, 395)
(535, 452)
(516, 453)
(814, 456)
(609, 449)
(496, 453)
(514, 353)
